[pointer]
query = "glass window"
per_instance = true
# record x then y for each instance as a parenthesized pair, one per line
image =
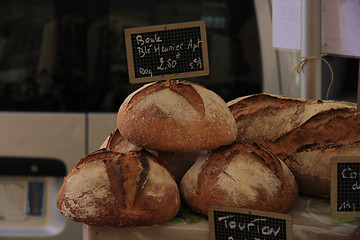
(69, 56)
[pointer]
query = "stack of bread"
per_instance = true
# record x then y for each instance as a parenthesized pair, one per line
(174, 138)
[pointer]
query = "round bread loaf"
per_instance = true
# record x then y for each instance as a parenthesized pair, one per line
(176, 116)
(239, 175)
(308, 149)
(119, 190)
(177, 162)
(116, 142)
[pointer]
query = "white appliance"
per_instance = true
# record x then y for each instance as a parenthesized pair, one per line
(35, 136)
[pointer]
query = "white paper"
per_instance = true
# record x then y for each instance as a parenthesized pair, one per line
(13, 197)
(340, 26)
(286, 24)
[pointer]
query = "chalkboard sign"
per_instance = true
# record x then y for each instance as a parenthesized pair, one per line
(227, 223)
(166, 52)
(345, 186)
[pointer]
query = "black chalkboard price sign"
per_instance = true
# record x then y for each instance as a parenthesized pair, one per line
(166, 52)
(228, 223)
(345, 186)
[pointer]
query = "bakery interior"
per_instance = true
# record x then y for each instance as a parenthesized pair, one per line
(64, 75)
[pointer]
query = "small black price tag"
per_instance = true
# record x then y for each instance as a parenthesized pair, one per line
(166, 52)
(228, 223)
(345, 186)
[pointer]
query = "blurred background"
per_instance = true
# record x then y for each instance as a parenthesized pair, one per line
(69, 56)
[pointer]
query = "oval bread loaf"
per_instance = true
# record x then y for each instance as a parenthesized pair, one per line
(238, 175)
(300, 132)
(119, 190)
(176, 116)
(308, 149)
(266, 117)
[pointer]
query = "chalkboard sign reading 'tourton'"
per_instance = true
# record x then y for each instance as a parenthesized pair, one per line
(345, 186)
(227, 223)
(166, 52)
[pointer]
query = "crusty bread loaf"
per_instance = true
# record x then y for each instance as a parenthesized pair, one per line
(117, 143)
(266, 117)
(177, 162)
(292, 129)
(308, 149)
(239, 175)
(176, 116)
(180, 162)
(119, 190)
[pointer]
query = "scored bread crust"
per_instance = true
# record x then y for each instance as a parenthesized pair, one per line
(176, 162)
(300, 132)
(176, 116)
(117, 143)
(239, 175)
(266, 117)
(308, 149)
(119, 190)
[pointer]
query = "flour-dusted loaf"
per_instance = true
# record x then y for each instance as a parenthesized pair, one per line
(308, 149)
(266, 117)
(301, 132)
(117, 143)
(177, 116)
(239, 175)
(119, 190)
(177, 162)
